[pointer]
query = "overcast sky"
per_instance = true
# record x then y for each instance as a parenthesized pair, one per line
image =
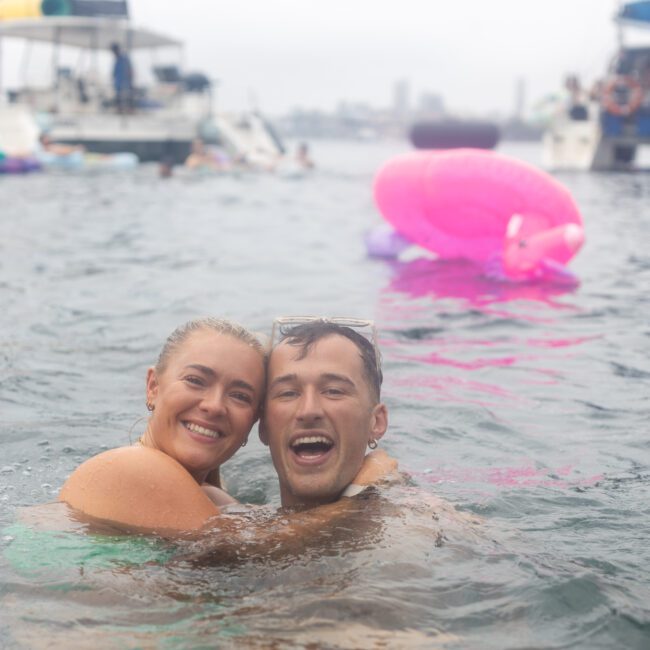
(314, 53)
(283, 54)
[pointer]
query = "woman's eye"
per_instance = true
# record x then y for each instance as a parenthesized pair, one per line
(243, 397)
(194, 380)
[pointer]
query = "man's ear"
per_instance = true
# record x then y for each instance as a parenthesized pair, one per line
(262, 430)
(379, 421)
(152, 386)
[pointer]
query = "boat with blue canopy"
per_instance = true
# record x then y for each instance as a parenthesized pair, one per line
(603, 128)
(637, 13)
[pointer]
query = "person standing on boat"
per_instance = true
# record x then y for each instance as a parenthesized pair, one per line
(122, 80)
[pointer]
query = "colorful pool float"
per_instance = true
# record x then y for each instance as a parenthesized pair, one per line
(80, 160)
(514, 219)
(15, 165)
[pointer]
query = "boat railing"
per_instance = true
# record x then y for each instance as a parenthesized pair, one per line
(85, 95)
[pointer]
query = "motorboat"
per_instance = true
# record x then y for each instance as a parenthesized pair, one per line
(78, 105)
(604, 128)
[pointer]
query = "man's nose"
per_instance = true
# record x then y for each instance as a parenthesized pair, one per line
(310, 407)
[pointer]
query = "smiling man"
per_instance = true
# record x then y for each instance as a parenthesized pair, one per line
(322, 409)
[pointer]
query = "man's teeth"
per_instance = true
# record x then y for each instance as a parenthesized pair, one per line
(312, 440)
(202, 430)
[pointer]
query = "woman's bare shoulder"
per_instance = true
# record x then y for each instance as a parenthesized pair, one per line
(140, 487)
(125, 457)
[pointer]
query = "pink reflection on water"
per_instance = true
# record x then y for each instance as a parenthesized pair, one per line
(508, 477)
(441, 383)
(425, 389)
(562, 343)
(463, 343)
(426, 298)
(463, 279)
(458, 389)
(476, 364)
(479, 363)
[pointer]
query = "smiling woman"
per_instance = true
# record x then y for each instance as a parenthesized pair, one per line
(204, 395)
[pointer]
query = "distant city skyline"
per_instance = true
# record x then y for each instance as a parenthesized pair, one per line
(281, 55)
(286, 54)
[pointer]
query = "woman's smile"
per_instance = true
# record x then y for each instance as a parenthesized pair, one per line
(203, 432)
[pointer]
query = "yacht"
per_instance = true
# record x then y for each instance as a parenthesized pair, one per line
(603, 129)
(78, 106)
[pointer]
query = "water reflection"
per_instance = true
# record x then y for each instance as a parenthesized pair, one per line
(448, 314)
(465, 280)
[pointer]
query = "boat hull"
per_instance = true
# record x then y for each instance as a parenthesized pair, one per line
(606, 143)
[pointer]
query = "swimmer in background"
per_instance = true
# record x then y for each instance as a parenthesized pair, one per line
(166, 167)
(303, 158)
(201, 158)
(57, 149)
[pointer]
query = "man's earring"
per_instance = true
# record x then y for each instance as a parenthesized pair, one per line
(150, 407)
(372, 443)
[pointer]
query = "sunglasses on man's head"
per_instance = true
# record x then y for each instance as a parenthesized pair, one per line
(364, 327)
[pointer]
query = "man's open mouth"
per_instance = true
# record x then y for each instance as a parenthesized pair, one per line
(311, 447)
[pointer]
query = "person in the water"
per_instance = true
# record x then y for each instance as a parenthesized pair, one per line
(204, 395)
(322, 408)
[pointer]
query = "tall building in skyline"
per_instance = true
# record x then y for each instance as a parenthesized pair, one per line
(431, 104)
(401, 98)
(520, 99)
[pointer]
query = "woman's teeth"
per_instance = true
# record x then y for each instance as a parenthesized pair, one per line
(202, 430)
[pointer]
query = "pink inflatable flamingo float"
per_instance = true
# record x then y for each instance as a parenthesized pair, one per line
(514, 219)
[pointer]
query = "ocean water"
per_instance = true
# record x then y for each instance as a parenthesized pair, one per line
(527, 406)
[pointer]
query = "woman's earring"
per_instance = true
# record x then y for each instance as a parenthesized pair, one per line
(150, 407)
(372, 443)
(243, 444)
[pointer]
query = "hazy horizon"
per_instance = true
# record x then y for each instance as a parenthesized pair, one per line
(291, 54)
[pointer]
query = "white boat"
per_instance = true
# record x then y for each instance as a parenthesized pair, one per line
(604, 129)
(78, 107)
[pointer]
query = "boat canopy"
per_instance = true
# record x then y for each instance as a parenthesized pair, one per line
(634, 13)
(85, 32)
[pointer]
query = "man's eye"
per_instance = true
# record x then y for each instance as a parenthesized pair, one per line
(287, 393)
(334, 391)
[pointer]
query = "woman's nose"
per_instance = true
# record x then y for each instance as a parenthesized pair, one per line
(213, 401)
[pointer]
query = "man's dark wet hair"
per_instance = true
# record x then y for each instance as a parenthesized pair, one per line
(306, 335)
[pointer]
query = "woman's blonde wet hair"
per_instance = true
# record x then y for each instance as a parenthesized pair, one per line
(218, 325)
